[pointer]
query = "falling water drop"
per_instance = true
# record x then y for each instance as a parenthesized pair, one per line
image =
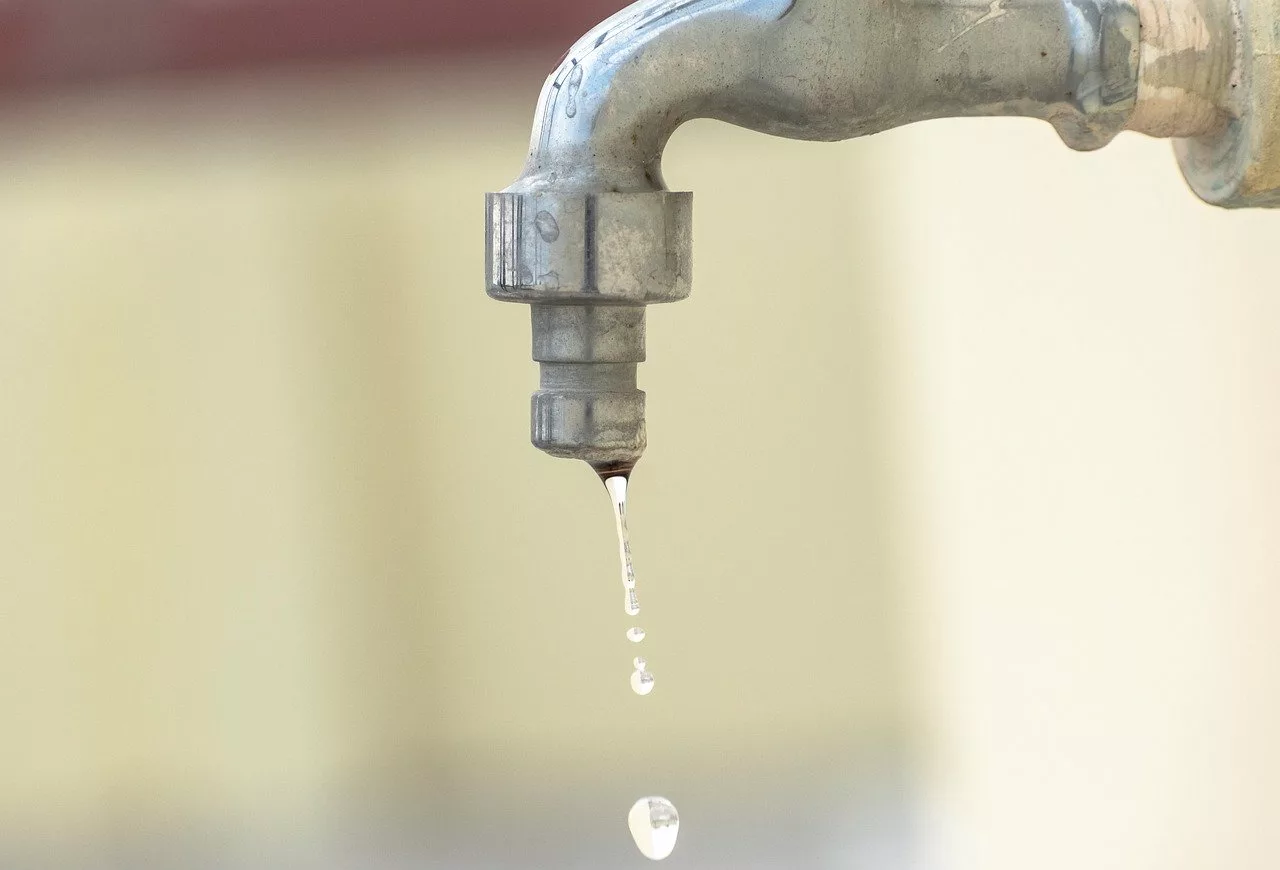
(641, 682)
(654, 825)
(640, 663)
(635, 635)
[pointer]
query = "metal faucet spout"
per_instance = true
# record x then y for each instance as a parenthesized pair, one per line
(589, 235)
(823, 70)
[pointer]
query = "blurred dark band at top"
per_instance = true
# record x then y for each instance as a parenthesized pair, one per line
(50, 43)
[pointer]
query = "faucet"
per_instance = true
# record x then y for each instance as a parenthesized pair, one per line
(589, 235)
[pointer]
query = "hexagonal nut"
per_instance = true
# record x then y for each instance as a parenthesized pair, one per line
(592, 248)
(596, 427)
(1240, 166)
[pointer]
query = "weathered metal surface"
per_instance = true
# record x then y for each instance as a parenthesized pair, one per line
(823, 70)
(569, 247)
(1239, 165)
(590, 222)
(1189, 67)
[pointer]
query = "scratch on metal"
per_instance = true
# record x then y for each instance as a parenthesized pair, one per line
(994, 11)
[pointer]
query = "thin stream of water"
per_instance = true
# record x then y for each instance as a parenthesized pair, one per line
(617, 487)
(653, 821)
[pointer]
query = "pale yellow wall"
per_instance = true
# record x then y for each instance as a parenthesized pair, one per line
(272, 535)
(1087, 403)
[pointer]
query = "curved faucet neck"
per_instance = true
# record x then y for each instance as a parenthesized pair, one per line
(837, 69)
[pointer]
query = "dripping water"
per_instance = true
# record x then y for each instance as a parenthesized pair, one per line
(617, 487)
(653, 821)
(654, 825)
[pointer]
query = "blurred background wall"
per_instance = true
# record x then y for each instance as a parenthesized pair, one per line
(282, 582)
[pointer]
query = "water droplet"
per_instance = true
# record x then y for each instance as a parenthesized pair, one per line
(640, 663)
(547, 226)
(571, 92)
(654, 825)
(641, 682)
(635, 635)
